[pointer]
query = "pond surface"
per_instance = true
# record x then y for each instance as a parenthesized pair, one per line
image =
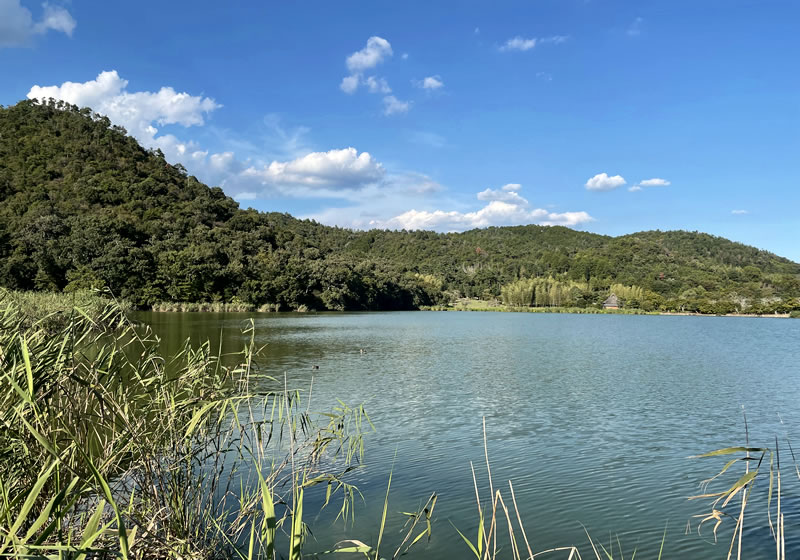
(592, 417)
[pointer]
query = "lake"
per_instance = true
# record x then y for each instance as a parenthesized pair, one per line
(592, 417)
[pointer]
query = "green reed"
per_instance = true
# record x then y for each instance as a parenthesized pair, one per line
(108, 447)
(732, 500)
(212, 307)
(54, 310)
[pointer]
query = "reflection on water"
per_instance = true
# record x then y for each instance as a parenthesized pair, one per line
(592, 417)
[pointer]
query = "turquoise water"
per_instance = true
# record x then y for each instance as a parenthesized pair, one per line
(592, 417)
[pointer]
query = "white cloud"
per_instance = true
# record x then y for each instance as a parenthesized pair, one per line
(137, 111)
(102, 90)
(505, 207)
(221, 161)
(57, 19)
(333, 170)
(377, 85)
(349, 84)
(519, 43)
(602, 182)
(370, 56)
(431, 82)
(339, 173)
(374, 53)
(496, 213)
(740, 212)
(655, 182)
(544, 76)
(393, 106)
(17, 27)
(404, 56)
(508, 193)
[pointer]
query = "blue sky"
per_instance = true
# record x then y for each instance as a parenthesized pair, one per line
(602, 115)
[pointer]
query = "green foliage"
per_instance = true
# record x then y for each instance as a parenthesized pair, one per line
(546, 292)
(109, 449)
(629, 296)
(83, 205)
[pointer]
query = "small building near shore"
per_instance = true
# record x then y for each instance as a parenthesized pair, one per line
(612, 302)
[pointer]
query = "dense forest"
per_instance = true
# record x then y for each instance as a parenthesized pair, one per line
(82, 204)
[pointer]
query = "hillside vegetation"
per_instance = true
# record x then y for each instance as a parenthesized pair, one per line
(82, 204)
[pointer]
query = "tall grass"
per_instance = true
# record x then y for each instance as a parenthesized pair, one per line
(106, 446)
(54, 310)
(732, 500)
(212, 307)
(501, 533)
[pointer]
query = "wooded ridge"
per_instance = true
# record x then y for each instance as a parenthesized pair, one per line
(83, 204)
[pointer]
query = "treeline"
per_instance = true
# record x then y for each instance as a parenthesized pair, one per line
(82, 204)
(550, 292)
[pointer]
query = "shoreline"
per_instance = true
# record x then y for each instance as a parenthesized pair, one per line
(594, 311)
(493, 309)
(750, 315)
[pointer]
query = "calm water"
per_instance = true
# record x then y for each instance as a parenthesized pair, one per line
(592, 417)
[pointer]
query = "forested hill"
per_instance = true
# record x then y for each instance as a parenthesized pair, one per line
(82, 204)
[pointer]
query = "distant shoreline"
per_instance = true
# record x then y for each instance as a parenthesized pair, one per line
(463, 305)
(595, 311)
(751, 315)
